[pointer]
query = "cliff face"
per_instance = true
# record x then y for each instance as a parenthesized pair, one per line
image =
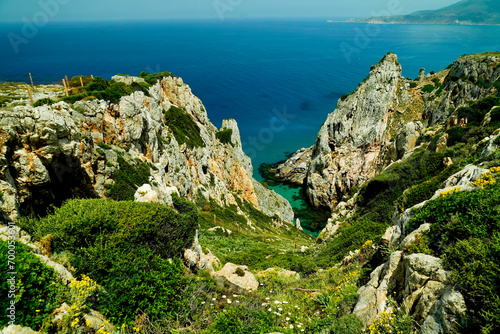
(51, 153)
(381, 121)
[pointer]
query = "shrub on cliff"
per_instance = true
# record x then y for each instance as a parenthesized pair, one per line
(125, 247)
(182, 125)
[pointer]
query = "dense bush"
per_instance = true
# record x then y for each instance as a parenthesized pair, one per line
(75, 81)
(224, 136)
(127, 179)
(464, 232)
(38, 292)
(182, 125)
(152, 79)
(243, 320)
(98, 84)
(44, 101)
(428, 88)
(125, 247)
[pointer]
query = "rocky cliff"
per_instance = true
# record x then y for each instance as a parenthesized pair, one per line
(381, 121)
(92, 148)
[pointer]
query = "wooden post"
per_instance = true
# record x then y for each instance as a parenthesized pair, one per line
(81, 81)
(29, 92)
(31, 79)
(65, 88)
(67, 81)
(92, 76)
(237, 228)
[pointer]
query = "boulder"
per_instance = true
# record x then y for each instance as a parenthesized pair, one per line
(16, 329)
(237, 278)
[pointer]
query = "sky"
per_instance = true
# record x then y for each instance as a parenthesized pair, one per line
(99, 10)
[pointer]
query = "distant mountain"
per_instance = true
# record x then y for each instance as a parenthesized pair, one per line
(466, 12)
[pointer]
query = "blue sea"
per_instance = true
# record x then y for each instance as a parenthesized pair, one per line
(278, 78)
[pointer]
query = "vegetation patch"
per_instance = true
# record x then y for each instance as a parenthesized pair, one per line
(152, 79)
(183, 126)
(37, 290)
(44, 101)
(127, 179)
(224, 136)
(126, 246)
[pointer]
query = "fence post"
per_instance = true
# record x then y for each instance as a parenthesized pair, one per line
(29, 92)
(65, 88)
(31, 79)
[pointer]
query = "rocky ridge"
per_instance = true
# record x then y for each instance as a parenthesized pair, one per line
(381, 121)
(51, 153)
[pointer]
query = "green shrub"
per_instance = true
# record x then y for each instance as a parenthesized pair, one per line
(152, 79)
(456, 135)
(348, 324)
(98, 84)
(125, 247)
(428, 88)
(243, 320)
(413, 84)
(184, 128)
(38, 292)
(44, 101)
(104, 145)
(224, 136)
(75, 81)
(127, 179)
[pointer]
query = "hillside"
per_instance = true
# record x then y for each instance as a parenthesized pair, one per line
(466, 12)
(150, 222)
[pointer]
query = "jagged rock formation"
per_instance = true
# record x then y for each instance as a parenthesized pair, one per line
(380, 123)
(471, 77)
(419, 280)
(51, 153)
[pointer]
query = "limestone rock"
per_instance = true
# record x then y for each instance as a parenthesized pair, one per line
(412, 237)
(441, 144)
(294, 169)
(82, 146)
(297, 225)
(458, 92)
(63, 274)
(16, 329)
(421, 74)
(146, 194)
(127, 79)
(236, 277)
(195, 258)
(420, 280)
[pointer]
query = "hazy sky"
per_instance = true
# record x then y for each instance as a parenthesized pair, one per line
(78, 10)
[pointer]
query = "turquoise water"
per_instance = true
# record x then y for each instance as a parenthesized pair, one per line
(278, 79)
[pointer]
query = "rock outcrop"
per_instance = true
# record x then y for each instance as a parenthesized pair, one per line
(51, 153)
(418, 280)
(237, 278)
(381, 121)
(470, 78)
